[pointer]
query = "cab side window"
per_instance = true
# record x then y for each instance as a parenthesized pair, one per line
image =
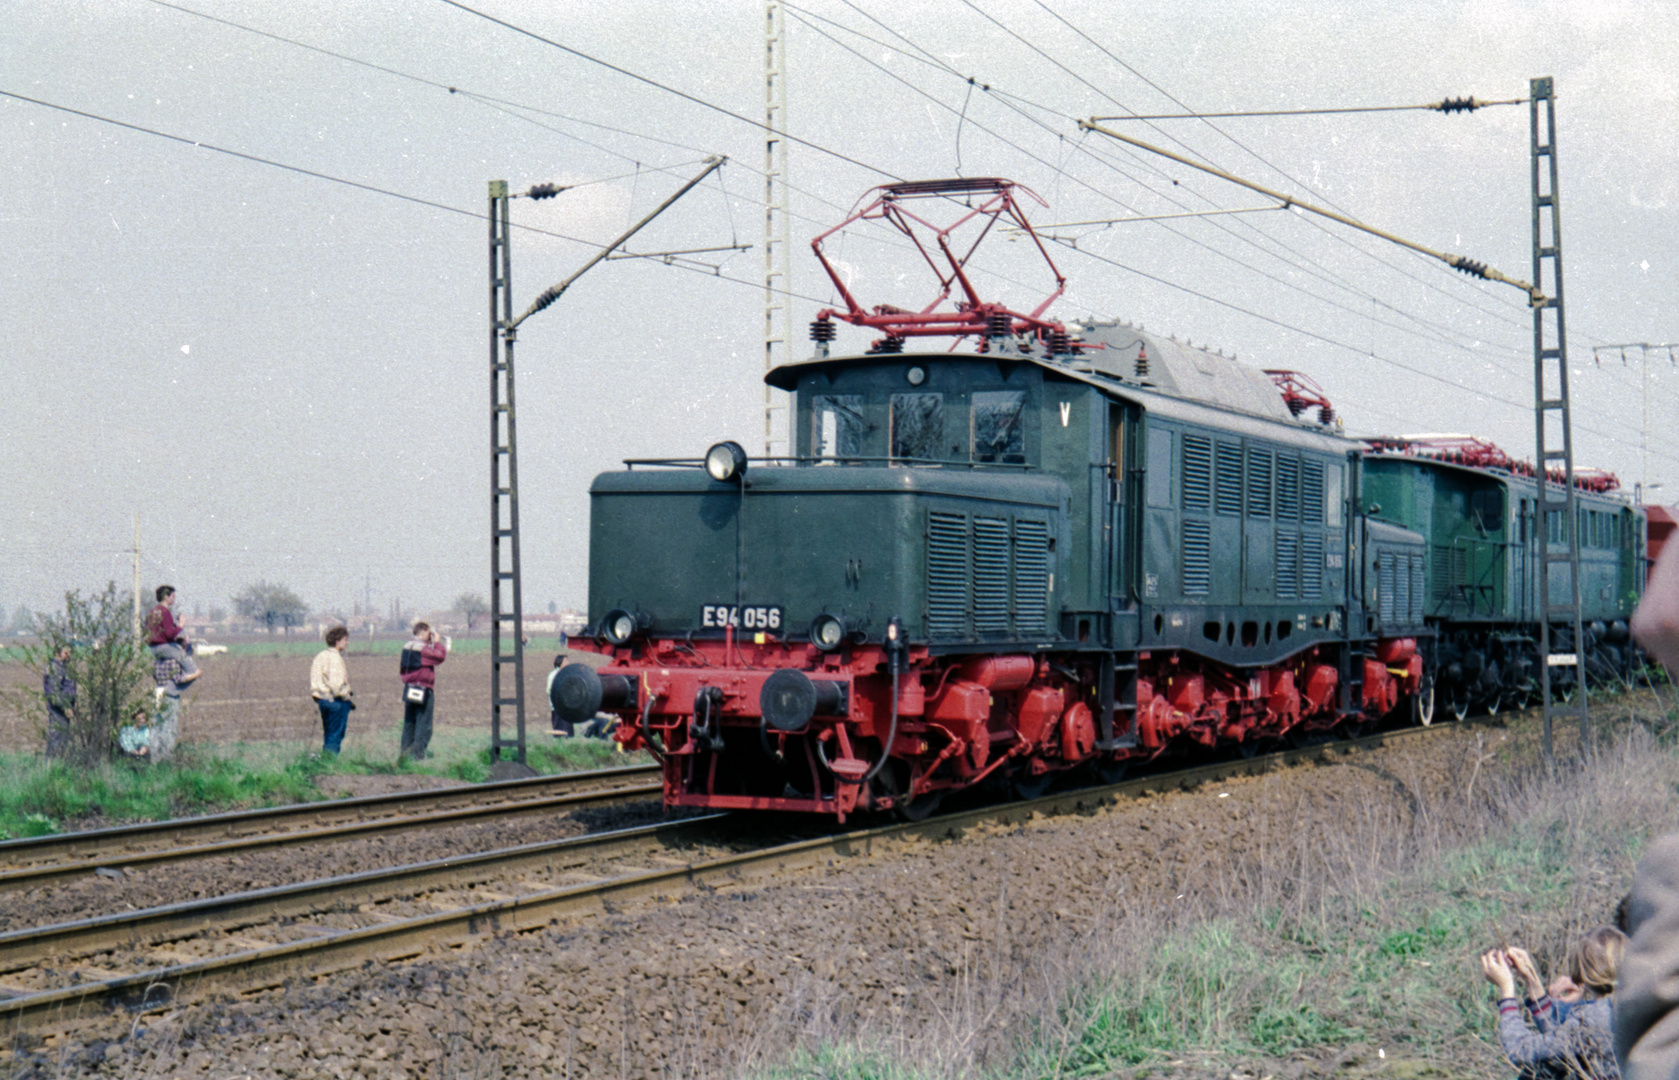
(837, 426)
(918, 426)
(998, 430)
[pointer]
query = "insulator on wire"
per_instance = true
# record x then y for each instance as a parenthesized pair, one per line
(1452, 105)
(544, 191)
(1469, 266)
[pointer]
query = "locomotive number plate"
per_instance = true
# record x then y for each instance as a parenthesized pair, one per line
(743, 617)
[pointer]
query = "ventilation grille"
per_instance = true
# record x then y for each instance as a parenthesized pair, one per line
(1227, 481)
(1311, 566)
(1197, 472)
(1197, 558)
(991, 575)
(1288, 566)
(1259, 483)
(947, 574)
(1311, 492)
(1031, 576)
(1385, 599)
(1288, 489)
(983, 579)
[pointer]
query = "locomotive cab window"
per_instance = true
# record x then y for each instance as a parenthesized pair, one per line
(999, 433)
(918, 426)
(1486, 509)
(837, 426)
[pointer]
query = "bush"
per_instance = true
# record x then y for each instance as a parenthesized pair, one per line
(108, 662)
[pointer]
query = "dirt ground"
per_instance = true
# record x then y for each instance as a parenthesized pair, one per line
(956, 939)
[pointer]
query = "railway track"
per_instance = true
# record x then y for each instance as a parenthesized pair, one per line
(36, 862)
(61, 976)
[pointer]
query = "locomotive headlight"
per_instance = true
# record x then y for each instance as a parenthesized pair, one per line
(618, 626)
(827, 632)
(725, 462)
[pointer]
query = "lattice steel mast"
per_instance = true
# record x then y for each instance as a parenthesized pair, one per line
(1550, 377)
(778, 304)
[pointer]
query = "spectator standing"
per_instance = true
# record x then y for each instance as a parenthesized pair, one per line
(59, 690)
(420, 658)
(166, 727)
(167, 639)
(329, 685)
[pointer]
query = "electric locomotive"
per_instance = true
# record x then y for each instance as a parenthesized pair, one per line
(1064, 547)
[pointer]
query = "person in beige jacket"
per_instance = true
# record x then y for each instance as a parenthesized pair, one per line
(329, 685)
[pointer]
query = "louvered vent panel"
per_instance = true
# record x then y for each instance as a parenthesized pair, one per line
(1031, 576)
(1402, 587)
(1288, 489)
(1227, 479)
(1384, 587)
(1288, 565)
(1417, 579)
(1311, 492)
(1197, 558)
(947, 574)
(991, 574)
(1311, 565)
(1197, 472)
(1442, 572)
(1259, 483)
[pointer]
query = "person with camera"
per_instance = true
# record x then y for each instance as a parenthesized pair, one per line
(420, 658)
(329, 685)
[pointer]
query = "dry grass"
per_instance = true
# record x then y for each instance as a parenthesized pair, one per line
(1349, 951)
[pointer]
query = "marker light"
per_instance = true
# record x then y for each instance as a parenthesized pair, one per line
(725, 462)
(827, 632)
(618, 626)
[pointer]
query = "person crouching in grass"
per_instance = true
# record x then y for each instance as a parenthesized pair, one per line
(135, 737)
(1581, 1045)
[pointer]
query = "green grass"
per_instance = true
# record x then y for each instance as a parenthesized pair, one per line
(38, 798)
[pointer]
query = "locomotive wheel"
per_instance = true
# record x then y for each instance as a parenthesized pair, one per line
(1027, 786)
(1112, 772)
(921, 809)
(1460, 703)
(1422, 704)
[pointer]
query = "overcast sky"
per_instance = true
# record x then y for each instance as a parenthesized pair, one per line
(286, 376)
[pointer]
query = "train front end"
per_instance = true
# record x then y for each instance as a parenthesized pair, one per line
(765, 628)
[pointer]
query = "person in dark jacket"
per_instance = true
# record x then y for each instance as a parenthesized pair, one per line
(1581, 1045)
(59, 690)
(1647, 998)
(420, 658)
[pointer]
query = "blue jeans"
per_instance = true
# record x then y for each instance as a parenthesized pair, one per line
(335, 717)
